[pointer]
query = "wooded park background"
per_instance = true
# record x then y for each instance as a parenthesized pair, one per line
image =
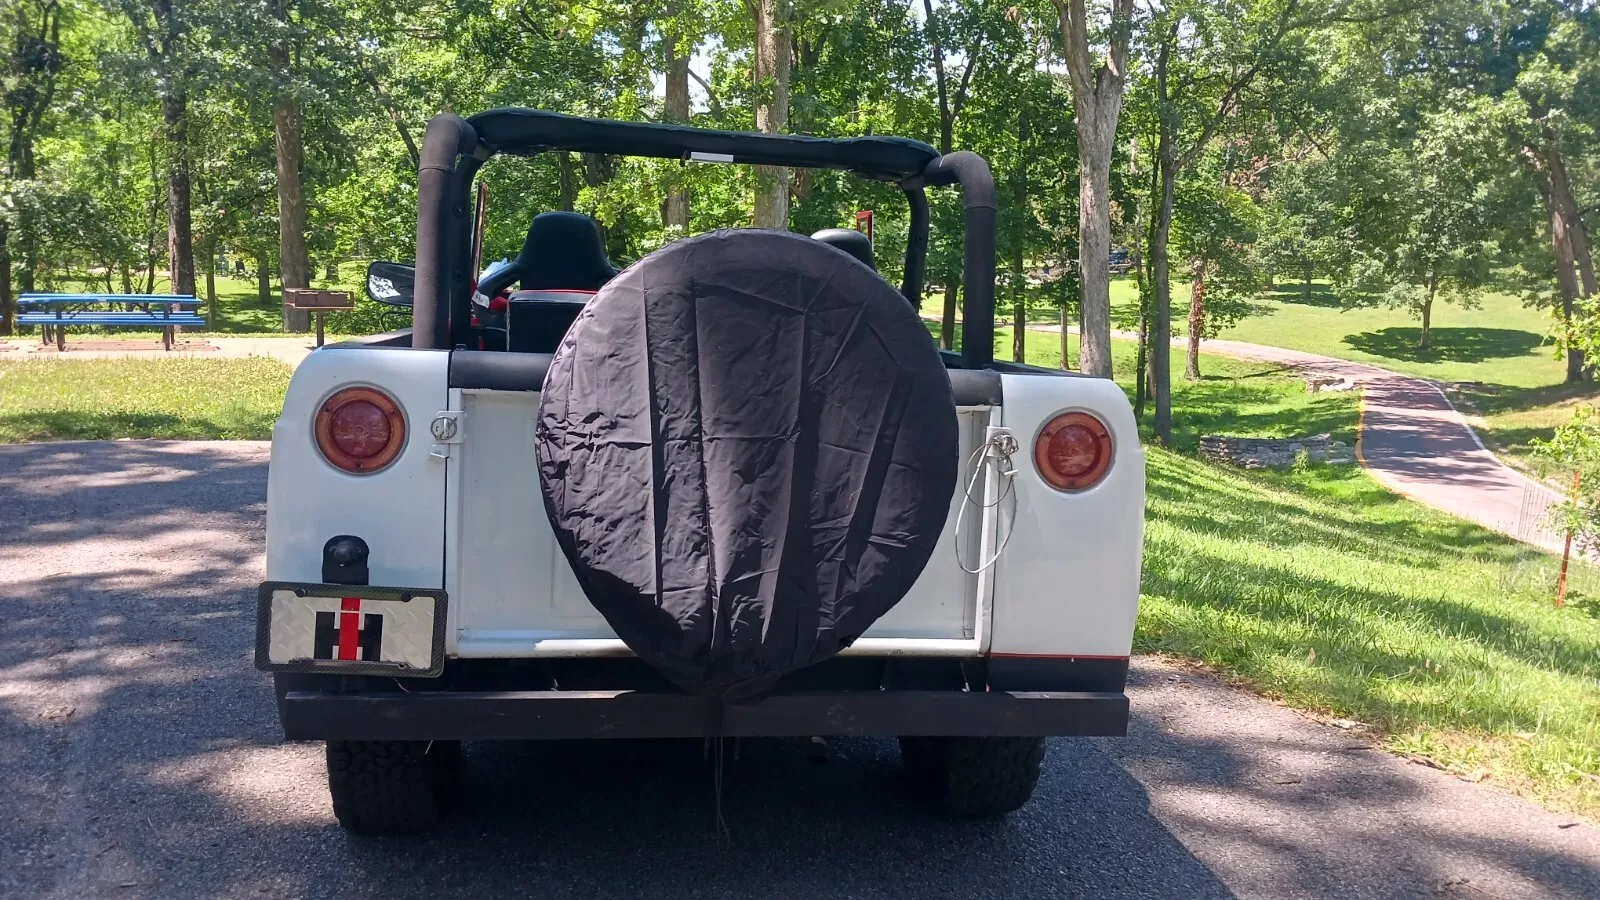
(1410, 153)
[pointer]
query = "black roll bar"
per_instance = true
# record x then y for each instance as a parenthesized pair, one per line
(440, 224)
(916, 247)
(971, 172)
(453, 150)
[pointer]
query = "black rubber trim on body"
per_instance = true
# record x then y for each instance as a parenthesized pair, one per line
(495, 370)
(1057, 673)
(539, 715)
(976, 387)
(398, 338)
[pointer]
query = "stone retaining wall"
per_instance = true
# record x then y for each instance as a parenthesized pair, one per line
(1271, 453)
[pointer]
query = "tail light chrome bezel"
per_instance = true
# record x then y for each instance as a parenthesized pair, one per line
(1078, 480)
(360, 465)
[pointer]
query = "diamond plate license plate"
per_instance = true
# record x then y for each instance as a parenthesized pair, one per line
(350, 629)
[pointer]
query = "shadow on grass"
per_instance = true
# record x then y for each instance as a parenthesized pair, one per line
(1469, 345)
(1489, 399)
(1236, 406)
(1319, 295)
(81, 425)
(1279, 510)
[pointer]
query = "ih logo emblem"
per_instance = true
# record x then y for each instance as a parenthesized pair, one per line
(344, 634)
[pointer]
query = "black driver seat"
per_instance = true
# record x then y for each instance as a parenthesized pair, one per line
(850, 241)
(562, 261)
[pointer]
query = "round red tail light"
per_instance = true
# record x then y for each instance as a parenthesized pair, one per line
(360, 430)
(1073, 451)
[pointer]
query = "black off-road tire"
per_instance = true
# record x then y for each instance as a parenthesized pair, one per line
(974, 777)
(392, 787)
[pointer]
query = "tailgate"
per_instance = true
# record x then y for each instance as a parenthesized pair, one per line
(513, 593)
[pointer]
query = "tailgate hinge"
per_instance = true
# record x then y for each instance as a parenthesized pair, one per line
(446, 429)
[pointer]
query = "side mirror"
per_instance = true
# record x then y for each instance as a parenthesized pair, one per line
(392, 284)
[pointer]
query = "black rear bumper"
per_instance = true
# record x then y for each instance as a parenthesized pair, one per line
(543, 715)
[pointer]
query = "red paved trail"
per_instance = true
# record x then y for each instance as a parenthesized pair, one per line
(1416, 444)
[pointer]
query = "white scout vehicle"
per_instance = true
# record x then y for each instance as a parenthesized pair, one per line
(723, 493)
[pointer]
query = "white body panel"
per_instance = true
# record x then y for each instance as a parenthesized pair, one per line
(399, 511)
(1067, 582)
(469, 517)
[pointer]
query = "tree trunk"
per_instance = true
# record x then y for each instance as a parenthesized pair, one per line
(675, 214)
(566, 180)
(772, 62)
(294, 267)
(1097, 104)
(1141, 360)
(1161, 332)
(8, 300)
(947, 325)
(1578, 232)
(27, 248)
(1305, 288)
(211, 283)
(1570, 240)
(1094, 242)
(1066, 344)
(264, 279)
(1019, 325)
(1019, 278)
(180, 225)
(1167, 178)
(1197, 320)
(1427, 313)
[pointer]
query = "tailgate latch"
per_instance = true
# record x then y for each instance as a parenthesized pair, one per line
(446, 430)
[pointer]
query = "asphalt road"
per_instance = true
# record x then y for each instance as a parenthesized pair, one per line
(139, 757)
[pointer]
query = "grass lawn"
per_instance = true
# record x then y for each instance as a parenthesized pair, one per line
(1324, 590)
(98, 399)
(1321, 588)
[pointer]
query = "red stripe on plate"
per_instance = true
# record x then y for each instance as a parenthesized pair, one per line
(349, 627)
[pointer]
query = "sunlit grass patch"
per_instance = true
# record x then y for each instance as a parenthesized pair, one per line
(98, 399)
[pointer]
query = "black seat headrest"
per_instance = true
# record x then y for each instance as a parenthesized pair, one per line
(563, 251)
(850, 241)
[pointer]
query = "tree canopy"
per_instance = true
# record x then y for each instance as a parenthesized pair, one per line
(1406, 152)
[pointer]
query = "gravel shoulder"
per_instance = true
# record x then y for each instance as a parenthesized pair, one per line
(140, 756)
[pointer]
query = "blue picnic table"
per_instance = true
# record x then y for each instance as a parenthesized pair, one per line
(54, 312)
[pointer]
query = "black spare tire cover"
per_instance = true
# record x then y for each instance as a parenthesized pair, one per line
(747, 444)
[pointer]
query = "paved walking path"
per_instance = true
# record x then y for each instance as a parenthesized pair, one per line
(1417, 444)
